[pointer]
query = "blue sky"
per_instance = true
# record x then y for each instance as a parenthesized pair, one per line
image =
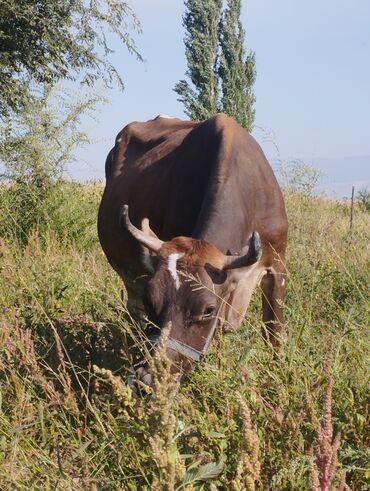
(312, 88)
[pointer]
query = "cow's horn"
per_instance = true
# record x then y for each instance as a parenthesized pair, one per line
(145, 227)
(252, 255)
(152, 243)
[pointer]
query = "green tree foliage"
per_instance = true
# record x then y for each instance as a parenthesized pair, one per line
(44, 41)
(237, 71)
(221, 74)
(201, 20)
(201, 39)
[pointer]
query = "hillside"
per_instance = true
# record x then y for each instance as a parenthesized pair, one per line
(244, 419)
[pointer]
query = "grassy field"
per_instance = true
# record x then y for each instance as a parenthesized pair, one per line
(243, 420)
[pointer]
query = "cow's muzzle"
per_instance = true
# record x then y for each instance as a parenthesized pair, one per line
(191, 354)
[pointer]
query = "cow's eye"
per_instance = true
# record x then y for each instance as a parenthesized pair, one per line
(209, 311)
(202, 316)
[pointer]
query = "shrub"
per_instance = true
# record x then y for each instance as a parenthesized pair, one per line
(35, 146)
(363, 198)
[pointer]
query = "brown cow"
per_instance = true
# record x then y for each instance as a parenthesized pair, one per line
(218, 228)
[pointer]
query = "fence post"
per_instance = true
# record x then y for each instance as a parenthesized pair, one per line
(352, 206)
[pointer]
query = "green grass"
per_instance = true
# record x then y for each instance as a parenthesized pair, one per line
(68, 421)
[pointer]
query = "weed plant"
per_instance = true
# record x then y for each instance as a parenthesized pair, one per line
(246, 419)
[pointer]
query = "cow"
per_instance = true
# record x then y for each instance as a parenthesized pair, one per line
(192, 219)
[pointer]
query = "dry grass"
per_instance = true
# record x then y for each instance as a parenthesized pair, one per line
(69, 421)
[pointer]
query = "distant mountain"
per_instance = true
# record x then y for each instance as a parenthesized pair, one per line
(340, 174)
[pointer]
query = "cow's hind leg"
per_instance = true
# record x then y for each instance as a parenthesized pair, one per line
(273, 294)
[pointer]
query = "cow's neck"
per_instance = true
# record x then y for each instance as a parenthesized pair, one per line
(222, 222)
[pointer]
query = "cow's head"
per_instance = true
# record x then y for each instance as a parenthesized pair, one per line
(188, 281)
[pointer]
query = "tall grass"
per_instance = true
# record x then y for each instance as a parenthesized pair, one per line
(245, 419)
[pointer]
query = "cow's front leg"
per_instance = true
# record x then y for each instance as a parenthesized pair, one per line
(273, 294)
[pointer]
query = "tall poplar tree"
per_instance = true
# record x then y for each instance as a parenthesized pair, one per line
(201, 21)
(236, 71)
(221, 75)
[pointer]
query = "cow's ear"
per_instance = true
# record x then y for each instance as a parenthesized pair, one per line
(218, 276)
(249, 256)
